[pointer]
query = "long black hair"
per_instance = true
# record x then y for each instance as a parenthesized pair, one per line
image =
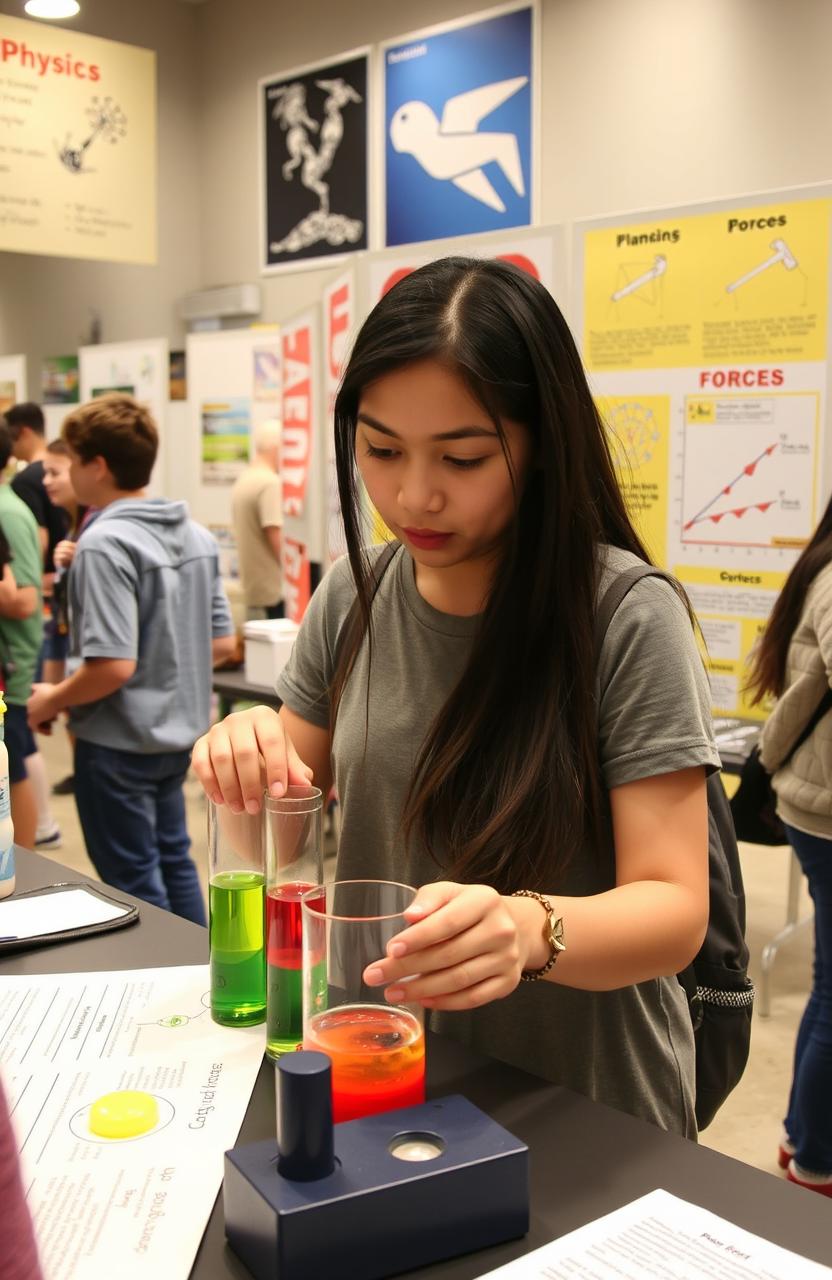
(768, 663)
(507, 782)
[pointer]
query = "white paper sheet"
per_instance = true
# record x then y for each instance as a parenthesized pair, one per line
(132, 1207)
(664, 1238)
(54, 912)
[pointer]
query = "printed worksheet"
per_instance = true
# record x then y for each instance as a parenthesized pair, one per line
(127, 1200)
(665, 1238)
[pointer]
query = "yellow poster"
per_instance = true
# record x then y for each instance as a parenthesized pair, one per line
(638, 427)
(706, 332)
(77, 145)
(745, 286)
(731, 607)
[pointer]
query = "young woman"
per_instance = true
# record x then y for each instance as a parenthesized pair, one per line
(793, 663)
(476, 746)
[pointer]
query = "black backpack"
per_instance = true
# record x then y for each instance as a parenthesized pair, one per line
(720, 993)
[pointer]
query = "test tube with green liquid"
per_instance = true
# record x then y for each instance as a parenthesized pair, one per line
(236, 924)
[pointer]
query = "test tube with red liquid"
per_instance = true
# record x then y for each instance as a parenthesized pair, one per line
(294, 867)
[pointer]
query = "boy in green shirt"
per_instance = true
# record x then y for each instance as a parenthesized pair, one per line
(21, 631)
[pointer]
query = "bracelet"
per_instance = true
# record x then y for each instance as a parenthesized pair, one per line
(552, 933)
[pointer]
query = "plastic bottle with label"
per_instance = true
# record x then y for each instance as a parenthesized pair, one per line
(6, 827)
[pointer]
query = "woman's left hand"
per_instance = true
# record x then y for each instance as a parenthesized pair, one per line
(462, 944)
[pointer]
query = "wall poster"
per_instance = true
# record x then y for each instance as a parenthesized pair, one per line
(461, 127)
(314, 163)
(706, 334)
(226, 439)
(78, 145)
(60, 380)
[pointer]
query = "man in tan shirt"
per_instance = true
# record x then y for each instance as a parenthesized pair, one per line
(257, 511)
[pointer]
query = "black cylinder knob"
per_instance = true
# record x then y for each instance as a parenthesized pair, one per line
(305, 1143)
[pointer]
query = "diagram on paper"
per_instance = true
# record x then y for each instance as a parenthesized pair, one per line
(749, 470)
(780, 258)
(635, 433)
(638, 431)
(106, 121)
(641, 283)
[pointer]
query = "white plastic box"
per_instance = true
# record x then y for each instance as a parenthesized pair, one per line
(268, 645)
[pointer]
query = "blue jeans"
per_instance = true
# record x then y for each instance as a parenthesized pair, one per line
(132, 813)
(809, 1118)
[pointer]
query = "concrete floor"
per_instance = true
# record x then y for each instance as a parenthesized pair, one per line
(749, 1125)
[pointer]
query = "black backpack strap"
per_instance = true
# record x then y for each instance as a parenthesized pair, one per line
(817, 715)
(615, 593)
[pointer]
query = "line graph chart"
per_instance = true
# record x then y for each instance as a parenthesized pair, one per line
(748, 471)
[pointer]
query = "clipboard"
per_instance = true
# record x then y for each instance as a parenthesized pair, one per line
(39, 917)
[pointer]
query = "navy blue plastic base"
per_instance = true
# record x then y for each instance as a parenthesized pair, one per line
(377, 1215)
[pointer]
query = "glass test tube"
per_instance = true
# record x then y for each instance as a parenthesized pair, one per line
(294, 868)
(236, 887)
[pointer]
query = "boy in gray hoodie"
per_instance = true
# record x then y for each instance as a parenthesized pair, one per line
(148, 620)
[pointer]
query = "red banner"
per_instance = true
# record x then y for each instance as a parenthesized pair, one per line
(338, 319)
(297, 586)
(296, 454)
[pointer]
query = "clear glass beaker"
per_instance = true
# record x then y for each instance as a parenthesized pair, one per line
(377, 1048)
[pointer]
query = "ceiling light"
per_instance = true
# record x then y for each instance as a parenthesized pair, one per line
(52, 8)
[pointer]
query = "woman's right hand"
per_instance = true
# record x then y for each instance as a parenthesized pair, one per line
(64, 553)
(246, 754)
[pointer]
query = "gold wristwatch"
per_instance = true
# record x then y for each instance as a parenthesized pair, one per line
(552, 934)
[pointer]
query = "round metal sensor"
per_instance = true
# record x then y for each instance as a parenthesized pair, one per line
(416, 1146)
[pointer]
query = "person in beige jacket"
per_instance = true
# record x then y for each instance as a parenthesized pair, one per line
(793, 662)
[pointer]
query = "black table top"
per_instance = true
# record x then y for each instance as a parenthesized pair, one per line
(586, 1159)
(231, 684)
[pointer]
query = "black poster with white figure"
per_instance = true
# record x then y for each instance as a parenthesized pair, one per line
(315, 162)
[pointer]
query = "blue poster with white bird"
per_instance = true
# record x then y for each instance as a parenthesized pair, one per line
(459, 125)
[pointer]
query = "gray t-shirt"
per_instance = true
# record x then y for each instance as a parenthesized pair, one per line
(145, 585)
(631, 1048)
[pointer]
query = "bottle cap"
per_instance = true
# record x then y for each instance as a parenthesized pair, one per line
(304, 1116)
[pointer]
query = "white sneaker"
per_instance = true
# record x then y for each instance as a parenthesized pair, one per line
(49, 839)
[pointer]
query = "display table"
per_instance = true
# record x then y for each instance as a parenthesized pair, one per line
(231, 687)
(585, 1158)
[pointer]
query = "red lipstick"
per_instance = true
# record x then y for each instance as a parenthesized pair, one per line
(427, 539)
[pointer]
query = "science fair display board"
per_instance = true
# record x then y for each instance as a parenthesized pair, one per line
(705, 331)
(78, 145)
(303, 461)
(12, 381)
(235, 382)
(138, 369)
(60, 389)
